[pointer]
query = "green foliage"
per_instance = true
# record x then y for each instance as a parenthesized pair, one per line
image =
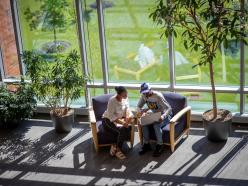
(16, 105)
(205, 23)
(56, 84)
(51, 14)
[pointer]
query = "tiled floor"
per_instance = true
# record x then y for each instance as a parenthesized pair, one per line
(33, 154)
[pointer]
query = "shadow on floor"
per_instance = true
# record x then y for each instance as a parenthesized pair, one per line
(25, 149)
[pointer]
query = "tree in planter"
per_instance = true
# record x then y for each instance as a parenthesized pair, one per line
(55, 85)
(16, 105)
(54, 15)
(206, 24)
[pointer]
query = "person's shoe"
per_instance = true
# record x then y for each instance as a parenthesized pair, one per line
(145, 148)
(113, 150)
(120, 155)
(158, 150)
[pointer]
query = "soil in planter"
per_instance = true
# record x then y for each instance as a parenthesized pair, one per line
(222, 115)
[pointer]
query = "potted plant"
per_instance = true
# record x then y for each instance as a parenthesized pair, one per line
(56, 84)
(205, 25)
(17, 102)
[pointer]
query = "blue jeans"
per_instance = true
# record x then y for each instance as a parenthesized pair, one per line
(157, 126)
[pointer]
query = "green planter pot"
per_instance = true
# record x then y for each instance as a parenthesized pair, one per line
(63, 124)
(217, 131)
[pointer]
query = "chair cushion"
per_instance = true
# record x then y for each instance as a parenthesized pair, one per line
(176, 101)
(99, 104)
(179, 128)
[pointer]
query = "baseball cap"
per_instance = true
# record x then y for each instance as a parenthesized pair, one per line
(144, 88)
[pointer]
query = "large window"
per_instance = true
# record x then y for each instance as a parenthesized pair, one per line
(41, 37)
(91, 32)
(38, 33)
(135, 51)
(226, 65)
(246, 66)
(246, 103)
(8, 50)
(202, 101)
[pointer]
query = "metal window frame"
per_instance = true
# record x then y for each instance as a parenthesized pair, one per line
(102, 44)
(173, 87)
(17, 31)
(2, 77)
(82, 46)
(106, 85)
(242, 68)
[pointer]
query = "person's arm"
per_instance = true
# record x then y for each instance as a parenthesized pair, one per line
(111, 111)
(140, 104)
(166, 107)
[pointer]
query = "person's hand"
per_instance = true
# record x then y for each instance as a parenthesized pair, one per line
(139, 114)
(161, 119)
(125, 125)
(128, 120)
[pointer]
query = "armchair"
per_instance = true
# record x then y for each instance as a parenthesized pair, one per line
(179, 124)
(100, 136)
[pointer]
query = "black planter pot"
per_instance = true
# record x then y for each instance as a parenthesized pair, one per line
(63, 124)
(217, 131)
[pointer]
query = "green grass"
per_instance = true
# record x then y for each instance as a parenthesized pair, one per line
(127, 26)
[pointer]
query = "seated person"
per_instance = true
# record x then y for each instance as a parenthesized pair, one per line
(118, 112)
(156, 103)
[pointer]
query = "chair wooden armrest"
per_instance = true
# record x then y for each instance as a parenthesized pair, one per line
(187, 111)
(132, 132)
(180, 114)
(92, 117)
(93, 126)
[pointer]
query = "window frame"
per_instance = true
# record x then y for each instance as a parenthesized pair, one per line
(105, 84)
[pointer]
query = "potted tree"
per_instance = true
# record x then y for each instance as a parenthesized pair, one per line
(17, 102)
(205, 25)
(56, 84)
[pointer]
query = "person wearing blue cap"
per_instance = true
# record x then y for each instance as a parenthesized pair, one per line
(155, 102)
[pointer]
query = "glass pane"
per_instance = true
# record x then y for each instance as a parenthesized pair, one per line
(246, 53)
(7, 41)
(133, 96)
(226, 65)
(134, 49)
(38, 32)
(91, 32)
(246, 65)
(96, 92)
(41, 36)
(246, 103)
(199, 101)
(202, 101)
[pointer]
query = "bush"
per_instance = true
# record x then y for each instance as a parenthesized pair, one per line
(16, 103)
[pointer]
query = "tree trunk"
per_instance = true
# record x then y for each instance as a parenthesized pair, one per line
(55, 37)
(211, 69)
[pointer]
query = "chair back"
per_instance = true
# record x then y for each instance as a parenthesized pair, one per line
(176, 101)
(99, 104)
